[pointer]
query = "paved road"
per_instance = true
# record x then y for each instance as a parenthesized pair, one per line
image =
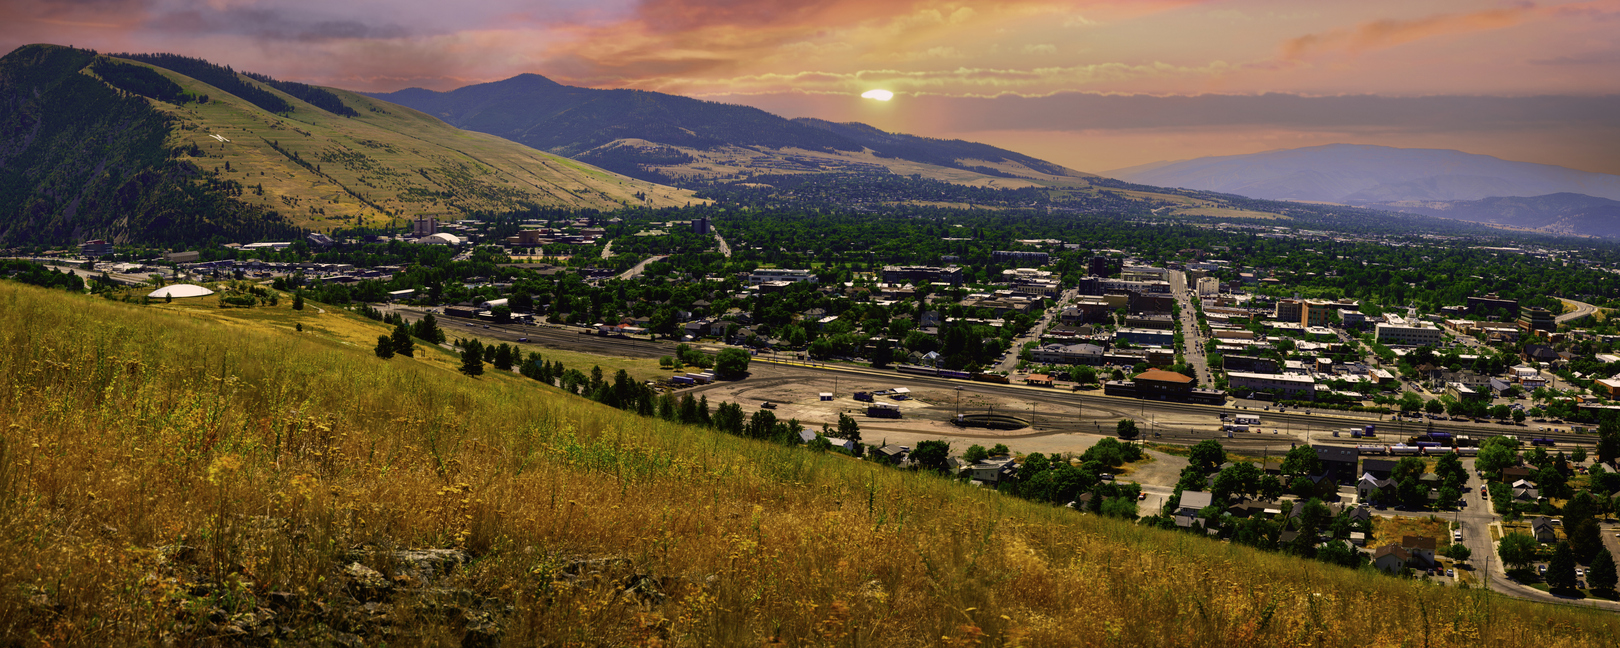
(1034, 335)
(1582, 309)
(725, 249)
(634, 272)
(1194, 352)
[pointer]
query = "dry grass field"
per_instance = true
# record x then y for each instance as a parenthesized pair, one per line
(172, 478)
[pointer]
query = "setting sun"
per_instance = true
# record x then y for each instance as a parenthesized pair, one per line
(880, 95)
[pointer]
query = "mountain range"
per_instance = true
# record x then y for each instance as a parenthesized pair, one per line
(1437, 182)
(162, 148)
(159, 148)
(680, 140)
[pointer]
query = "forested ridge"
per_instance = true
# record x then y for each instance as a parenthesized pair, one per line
(82, 159)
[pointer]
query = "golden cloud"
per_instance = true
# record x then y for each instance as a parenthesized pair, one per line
(1380, 34)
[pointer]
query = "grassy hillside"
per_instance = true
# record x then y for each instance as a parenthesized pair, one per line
(94, 146)
(389, 162)
(171, 475)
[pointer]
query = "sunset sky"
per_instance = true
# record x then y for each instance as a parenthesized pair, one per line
(1092, 85)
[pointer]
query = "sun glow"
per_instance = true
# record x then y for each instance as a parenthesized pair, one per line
(880, 95)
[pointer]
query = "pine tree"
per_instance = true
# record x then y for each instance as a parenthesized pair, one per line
(298, 301)
(428, 329)
(385, 347)
(472, 359)
(403, 345)
(503, 357)
(1601, 574)
(1561, 569)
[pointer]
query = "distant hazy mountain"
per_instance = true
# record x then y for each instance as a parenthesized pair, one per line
(665, 137)
(1560, 213)
(1360, 175)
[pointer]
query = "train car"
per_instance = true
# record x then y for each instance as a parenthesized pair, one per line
(1543, 442)
(917, 369)
(1371, 449)
(1440, 437)
(991, 378)
(863, 396)
(1466, 452)
(1401, 449)
(952, 373)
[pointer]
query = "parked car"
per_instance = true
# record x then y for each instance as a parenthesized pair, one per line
(1451, 573)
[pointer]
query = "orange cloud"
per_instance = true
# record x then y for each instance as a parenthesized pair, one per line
(1381, 34)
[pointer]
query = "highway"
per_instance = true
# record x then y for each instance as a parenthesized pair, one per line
(1582, 309)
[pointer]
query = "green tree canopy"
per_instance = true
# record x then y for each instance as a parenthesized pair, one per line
(1206, 456)
(731, 363)
(1302, 461)
(1601, 573)
(1517, 550)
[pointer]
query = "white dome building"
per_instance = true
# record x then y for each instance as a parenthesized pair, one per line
(440, 239)
(180, 291)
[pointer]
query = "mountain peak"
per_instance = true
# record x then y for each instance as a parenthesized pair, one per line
(530, 79)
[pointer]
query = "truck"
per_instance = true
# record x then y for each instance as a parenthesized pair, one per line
(1247, 419)
(883, 410)
(1233, 427)
(1369, 431)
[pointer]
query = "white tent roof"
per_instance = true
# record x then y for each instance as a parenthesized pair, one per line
(180, 290)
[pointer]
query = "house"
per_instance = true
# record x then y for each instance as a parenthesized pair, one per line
(1323, 486)
(1338, 461)
(1527, 495)
(1360, 515)
(1038, 380)
(1380, 468)
(1253, 508)
(1420, 551)
(1195, 501)
(1369, 486)
(719, 329)
(1515, 473)
(1390, 558)
(1540, 353)
(1544, 530)
(992, 471)
(891, 454)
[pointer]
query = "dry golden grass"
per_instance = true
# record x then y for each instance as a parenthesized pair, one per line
(1388, 530)
(274, 455)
